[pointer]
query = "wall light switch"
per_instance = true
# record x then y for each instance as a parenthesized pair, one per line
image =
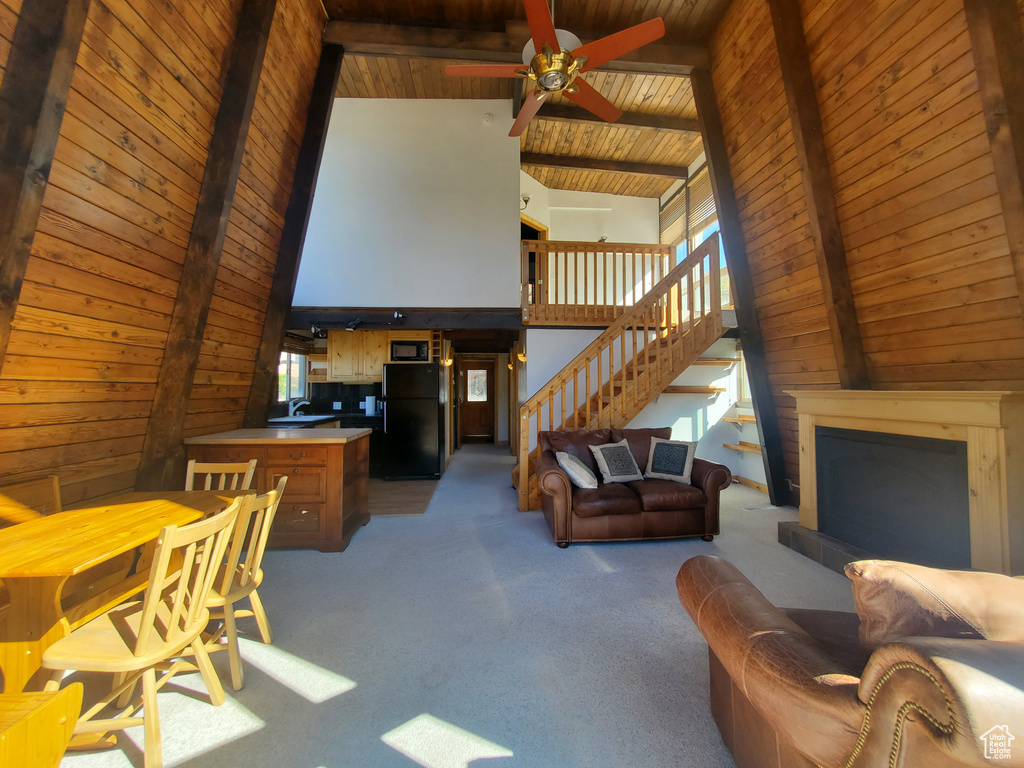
(336, 405)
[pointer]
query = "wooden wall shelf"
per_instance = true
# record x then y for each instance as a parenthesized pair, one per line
(741, 419)
(693, 390)
(744, 446)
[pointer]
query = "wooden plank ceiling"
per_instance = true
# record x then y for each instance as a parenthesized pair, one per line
(659, 126)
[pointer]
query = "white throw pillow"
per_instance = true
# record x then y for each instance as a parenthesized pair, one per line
(616, 462)
(670, 460)
(578, 472)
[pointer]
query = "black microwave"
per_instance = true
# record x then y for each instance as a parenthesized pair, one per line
(410, 351)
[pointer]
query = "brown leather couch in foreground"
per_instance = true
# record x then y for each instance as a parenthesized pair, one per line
(642, 509)
(933, 677)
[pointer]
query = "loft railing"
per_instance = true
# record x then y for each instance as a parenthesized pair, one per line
(569, 283)
(632, 361)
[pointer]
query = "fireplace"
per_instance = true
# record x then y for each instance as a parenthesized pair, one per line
(900, 497)
(983, 429)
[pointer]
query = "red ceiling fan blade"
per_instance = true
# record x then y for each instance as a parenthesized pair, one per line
(591, 100)
(542, 28)
(530, 106)
(607, 48)
(484, 70)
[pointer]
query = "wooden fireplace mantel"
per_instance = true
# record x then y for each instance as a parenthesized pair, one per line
(992, 425)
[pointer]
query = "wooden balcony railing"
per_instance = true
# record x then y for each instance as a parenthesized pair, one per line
(567, 283)
(654, 340)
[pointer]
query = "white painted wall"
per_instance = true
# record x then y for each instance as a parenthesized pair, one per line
(537, 208)
(416, 206)
(549, 349)
(588, 216)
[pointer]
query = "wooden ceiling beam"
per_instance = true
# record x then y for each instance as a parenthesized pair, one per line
(998, 47)
(606, 166)
(402, 41)
(296, 220)
(162, 447)
(40, 64)
(742, 287)
(819, 194)
(566, 114)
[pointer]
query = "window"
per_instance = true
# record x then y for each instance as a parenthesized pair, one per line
(291, 376)
(476, 386)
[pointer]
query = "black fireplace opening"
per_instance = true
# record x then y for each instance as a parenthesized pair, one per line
(899, 497)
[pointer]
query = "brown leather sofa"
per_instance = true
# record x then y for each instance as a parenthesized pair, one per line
(642, 509)
(799, 689)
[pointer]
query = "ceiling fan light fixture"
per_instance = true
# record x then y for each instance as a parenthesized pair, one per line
(567, 41)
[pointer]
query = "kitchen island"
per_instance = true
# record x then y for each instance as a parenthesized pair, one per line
(325, 498)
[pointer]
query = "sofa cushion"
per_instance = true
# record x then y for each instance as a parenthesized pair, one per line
(606, 499)
(665, 495)
(577, 442)
(670, 460)
(639, 442)
(616, 463)
(578, 473)
(896, 600)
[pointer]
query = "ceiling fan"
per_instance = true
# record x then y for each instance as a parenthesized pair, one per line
(556, 58)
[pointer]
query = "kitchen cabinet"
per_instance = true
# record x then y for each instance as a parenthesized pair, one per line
(325, 499)
(356, 357)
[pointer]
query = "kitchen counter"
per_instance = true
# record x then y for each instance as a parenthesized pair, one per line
(301, 422)
(325, 497)
(282, 435)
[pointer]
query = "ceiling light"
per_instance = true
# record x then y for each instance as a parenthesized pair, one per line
(354, 324)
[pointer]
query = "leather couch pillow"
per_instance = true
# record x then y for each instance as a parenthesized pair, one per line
(896, 600)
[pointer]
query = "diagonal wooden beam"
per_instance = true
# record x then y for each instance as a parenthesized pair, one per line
(162, 447)
(998, 47)
(40, 64)
(666, 123)
(607, 166)
(307, 167)
(819, 194)
(454, 43)
(742, 286)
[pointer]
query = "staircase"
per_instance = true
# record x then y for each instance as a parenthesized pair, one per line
(630, 363)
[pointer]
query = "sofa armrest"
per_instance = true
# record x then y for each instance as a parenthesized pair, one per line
(796, 687)
(962, 695)
(555, 496)
(709, 476)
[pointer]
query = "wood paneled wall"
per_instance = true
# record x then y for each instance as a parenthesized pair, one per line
(926, 247)
(220, 389)
(87, 341)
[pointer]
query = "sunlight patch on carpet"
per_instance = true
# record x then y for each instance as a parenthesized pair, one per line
(309, 681)
(433, 743)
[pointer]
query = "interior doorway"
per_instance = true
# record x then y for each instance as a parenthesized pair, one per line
(476, 399)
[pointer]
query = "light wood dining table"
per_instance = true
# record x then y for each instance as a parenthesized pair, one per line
(38, 556)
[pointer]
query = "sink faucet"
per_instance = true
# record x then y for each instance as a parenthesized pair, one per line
(295, 404)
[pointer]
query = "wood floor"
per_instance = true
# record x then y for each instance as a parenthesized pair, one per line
(400, 497)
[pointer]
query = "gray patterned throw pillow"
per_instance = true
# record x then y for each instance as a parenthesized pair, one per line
(616, 463)
(670, 460)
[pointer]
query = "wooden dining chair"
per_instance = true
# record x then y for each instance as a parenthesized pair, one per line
(241, 574)
(220, 476)
(136, 639)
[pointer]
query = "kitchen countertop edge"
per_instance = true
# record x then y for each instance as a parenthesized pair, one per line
(284, 435)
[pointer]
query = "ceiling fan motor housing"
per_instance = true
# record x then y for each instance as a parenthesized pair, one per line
(552, 71)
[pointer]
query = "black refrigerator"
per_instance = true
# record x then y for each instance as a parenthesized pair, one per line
(413, 435)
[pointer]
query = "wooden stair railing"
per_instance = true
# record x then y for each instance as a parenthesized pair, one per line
(631, 362)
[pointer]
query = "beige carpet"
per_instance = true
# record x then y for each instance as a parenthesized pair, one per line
(400, 497)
